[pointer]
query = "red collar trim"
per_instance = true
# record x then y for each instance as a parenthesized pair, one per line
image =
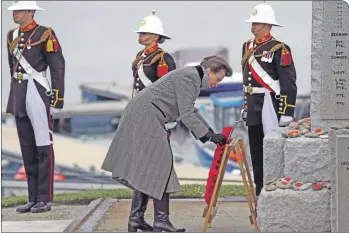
(29, 26)
(263, 38)
(152, 49)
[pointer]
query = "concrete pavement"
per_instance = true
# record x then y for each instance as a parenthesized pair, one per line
(35, 226)
(55, 220)
(231, 216)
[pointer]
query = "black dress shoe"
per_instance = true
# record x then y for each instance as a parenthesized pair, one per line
(26, 208)
(41, 207)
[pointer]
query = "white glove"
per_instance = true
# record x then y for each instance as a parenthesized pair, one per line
(243, 114)
(170, 125)
(54, 110)
(285, 120)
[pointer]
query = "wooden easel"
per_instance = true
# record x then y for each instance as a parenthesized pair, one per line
(234, 145)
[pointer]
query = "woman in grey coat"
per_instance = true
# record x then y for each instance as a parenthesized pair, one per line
(140, 155)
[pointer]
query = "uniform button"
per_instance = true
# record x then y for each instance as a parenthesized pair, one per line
(245, 102)
(22, 39)
(249, 73)
(249, 78)
(20, 45)
(22, 33)
(21, 50)
(19, 67)
(255, 45)
(137, 79)
(281, 104)
(137, 84)
(249, 84)
(51, 101)
(280, 109)
(137, 89)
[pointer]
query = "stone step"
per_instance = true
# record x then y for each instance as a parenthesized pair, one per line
(307, 159)
(294, 211)
(304, 159)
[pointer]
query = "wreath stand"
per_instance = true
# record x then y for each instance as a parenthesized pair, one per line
(236, 146)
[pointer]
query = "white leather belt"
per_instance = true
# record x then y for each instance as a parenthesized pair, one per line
(20, 76)
(254, 90)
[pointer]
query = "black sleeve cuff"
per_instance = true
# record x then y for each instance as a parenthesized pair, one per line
(207, 136)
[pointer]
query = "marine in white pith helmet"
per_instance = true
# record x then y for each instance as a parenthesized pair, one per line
(23, 10)
(152, 62)
(269, 84)
(32, 49)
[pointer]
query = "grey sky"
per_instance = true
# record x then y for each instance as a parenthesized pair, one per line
(99, 41)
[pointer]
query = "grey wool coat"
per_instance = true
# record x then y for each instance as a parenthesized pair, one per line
(140, 155)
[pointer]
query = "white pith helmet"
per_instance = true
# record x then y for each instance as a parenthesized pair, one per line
(152, 24)
(24, 5)
(263, 13)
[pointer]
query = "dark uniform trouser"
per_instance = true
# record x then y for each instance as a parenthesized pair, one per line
(38, 162)
(35, 138)
(256, 135)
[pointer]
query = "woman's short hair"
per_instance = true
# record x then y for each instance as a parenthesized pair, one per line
(216, 64)
(161, 39)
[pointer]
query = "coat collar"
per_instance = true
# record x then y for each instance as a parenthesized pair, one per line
(151, 50)
(28, 27)
(203, 76)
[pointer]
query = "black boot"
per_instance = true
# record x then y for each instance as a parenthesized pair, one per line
(26, 208)
(139, 206)
(41, 207)
(161, 215)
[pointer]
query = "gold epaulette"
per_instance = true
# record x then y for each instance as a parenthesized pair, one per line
(162, 54)
(14, 43)
(43, 37)
(46, 34)
(153, 60)
(156, 58)
(8, 35)
(138, 58)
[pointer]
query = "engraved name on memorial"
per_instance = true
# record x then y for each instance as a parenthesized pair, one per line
(342, 186)
(335, 61)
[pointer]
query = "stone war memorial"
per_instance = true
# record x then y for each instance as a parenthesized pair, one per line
(306, 165)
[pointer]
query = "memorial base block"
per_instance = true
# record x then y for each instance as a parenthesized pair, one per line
(273, 153)
(307, 159)
(294, 211)
(301, 158)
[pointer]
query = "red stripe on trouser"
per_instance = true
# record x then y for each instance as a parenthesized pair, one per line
(259, 79)
(51, 149)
